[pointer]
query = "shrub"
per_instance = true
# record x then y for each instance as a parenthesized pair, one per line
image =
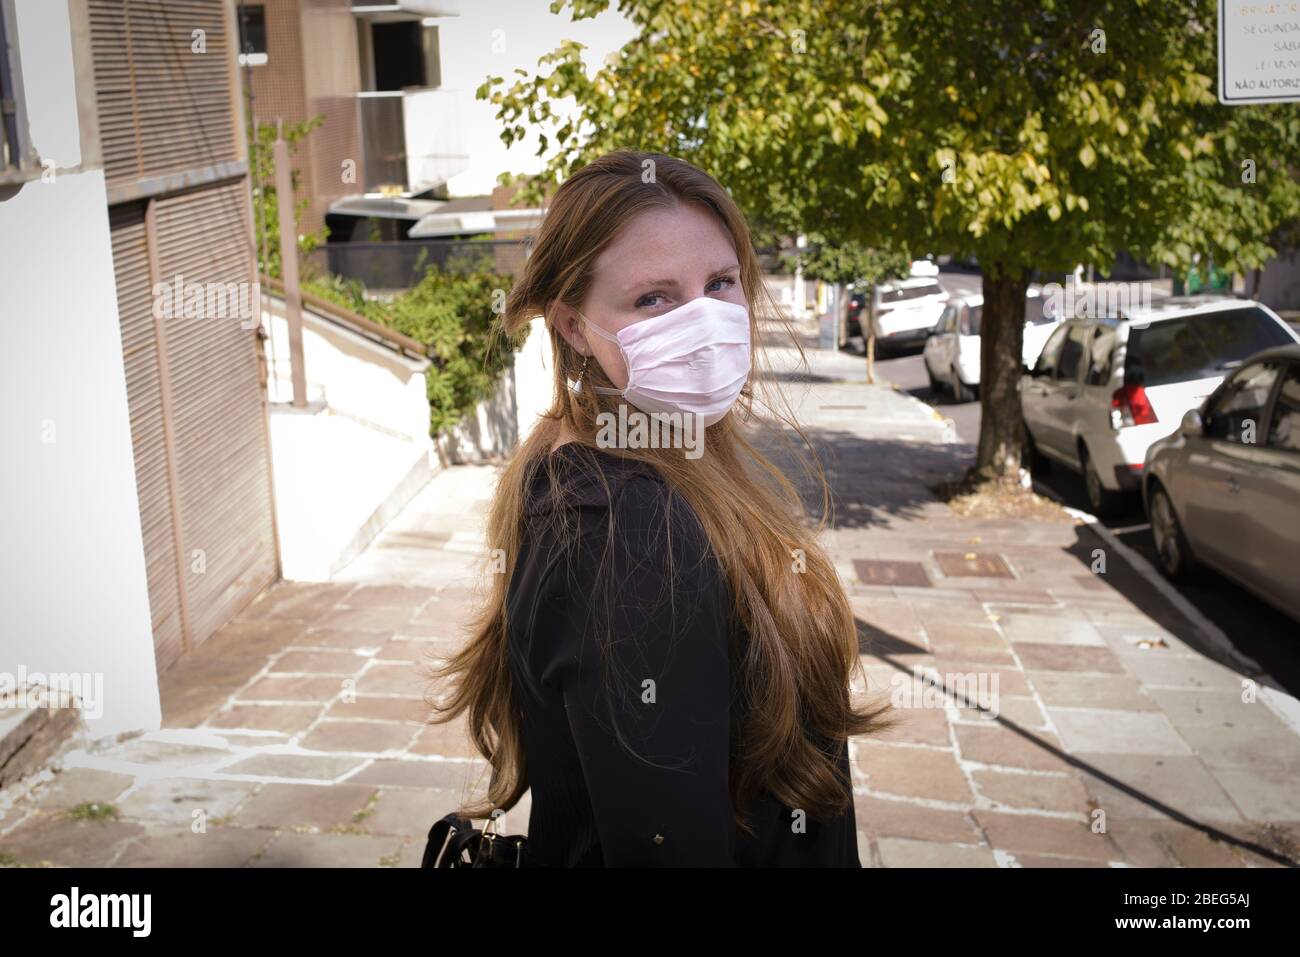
(455, 316)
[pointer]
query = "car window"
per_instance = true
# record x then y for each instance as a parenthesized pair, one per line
(895, 294)
(949, 320)
(1199, 346)
(1067, 368)
(1235, 410)
(1284, 433)
(1100, 350)
(1046, 364)
(1034, 315)
(920, 292)
(973, 314)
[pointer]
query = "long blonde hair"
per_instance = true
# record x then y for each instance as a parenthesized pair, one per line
(803, 644)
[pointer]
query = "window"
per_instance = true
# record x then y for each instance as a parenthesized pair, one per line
(948, 321)
(1047, 359)
(1236, 409)
(1099, 356)
(1199, 346)
(1284, 432)
(15, 149)
(400, 54)
(971, 323)
(252, 34)
(1067, 369)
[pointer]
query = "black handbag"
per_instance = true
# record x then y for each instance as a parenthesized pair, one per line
(455, 842)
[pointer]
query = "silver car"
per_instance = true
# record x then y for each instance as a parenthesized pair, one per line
(1224, 490)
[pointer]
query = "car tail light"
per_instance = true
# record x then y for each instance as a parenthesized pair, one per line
(1129, 405)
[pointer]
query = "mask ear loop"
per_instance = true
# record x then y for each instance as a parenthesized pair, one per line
(592, 327)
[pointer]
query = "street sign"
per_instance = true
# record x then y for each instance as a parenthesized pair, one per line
(1259, 51)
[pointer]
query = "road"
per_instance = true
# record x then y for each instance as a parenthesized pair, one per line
(1254, 627)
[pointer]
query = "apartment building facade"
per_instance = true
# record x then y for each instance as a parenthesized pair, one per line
(134, 392)
(371, 72)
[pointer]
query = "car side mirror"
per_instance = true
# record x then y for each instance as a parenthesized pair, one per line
(1193, 426)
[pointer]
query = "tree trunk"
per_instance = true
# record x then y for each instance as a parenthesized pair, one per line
(1002, 332)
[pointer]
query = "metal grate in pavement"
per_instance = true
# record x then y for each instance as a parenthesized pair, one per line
(973, 565)
(891, 573)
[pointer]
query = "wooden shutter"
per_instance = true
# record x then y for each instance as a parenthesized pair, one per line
(163, 107)
(167, 118)
(145, 399)
(219, 420)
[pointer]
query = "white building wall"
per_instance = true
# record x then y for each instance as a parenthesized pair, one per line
(345, 466)
(534, 378)
(73, 591)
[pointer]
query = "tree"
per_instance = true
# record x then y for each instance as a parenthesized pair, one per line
(847, 263)
(850, 263)
(1028, 133)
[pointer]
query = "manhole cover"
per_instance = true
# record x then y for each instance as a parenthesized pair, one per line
(891, 573)
(973, 565)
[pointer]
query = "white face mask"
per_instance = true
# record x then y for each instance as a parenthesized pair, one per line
(693, 359)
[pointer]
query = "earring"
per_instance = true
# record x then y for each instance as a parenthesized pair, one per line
(577, 386)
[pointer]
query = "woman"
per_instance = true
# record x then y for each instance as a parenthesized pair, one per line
(666, 659)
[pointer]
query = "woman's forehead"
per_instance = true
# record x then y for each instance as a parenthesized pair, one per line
(676, 243)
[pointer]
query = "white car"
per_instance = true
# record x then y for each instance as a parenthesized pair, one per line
(952, 352)
(904, 311)
(1224, 490)
(1103, 390)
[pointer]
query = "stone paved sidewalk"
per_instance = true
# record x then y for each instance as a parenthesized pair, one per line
(1117, 737)
(295, 736)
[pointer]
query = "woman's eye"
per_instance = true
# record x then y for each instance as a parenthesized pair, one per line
(653, 299)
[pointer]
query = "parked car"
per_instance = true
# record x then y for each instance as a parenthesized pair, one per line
(857, 302)
(1224, 490)
(952, 351)
(1103, 390)
(904, 311)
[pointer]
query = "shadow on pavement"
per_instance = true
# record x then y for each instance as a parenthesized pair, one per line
(883, 645)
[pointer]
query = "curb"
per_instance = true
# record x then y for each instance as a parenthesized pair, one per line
(949, 426)
(1286, 707)
(1208, 629)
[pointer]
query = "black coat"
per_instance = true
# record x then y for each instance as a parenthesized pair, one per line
(658, 595)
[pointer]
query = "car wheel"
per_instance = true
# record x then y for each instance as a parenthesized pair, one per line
(1101, 500)
(1176, 559)
(1034, 460)
(960, 390)
(935, 385)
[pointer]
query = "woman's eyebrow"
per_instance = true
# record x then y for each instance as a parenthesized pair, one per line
(641, 284)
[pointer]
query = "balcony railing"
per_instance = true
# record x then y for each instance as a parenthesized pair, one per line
(400, 265)
(412, 140)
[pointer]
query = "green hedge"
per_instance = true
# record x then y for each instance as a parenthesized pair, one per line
(454, 311)
(457, 316)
